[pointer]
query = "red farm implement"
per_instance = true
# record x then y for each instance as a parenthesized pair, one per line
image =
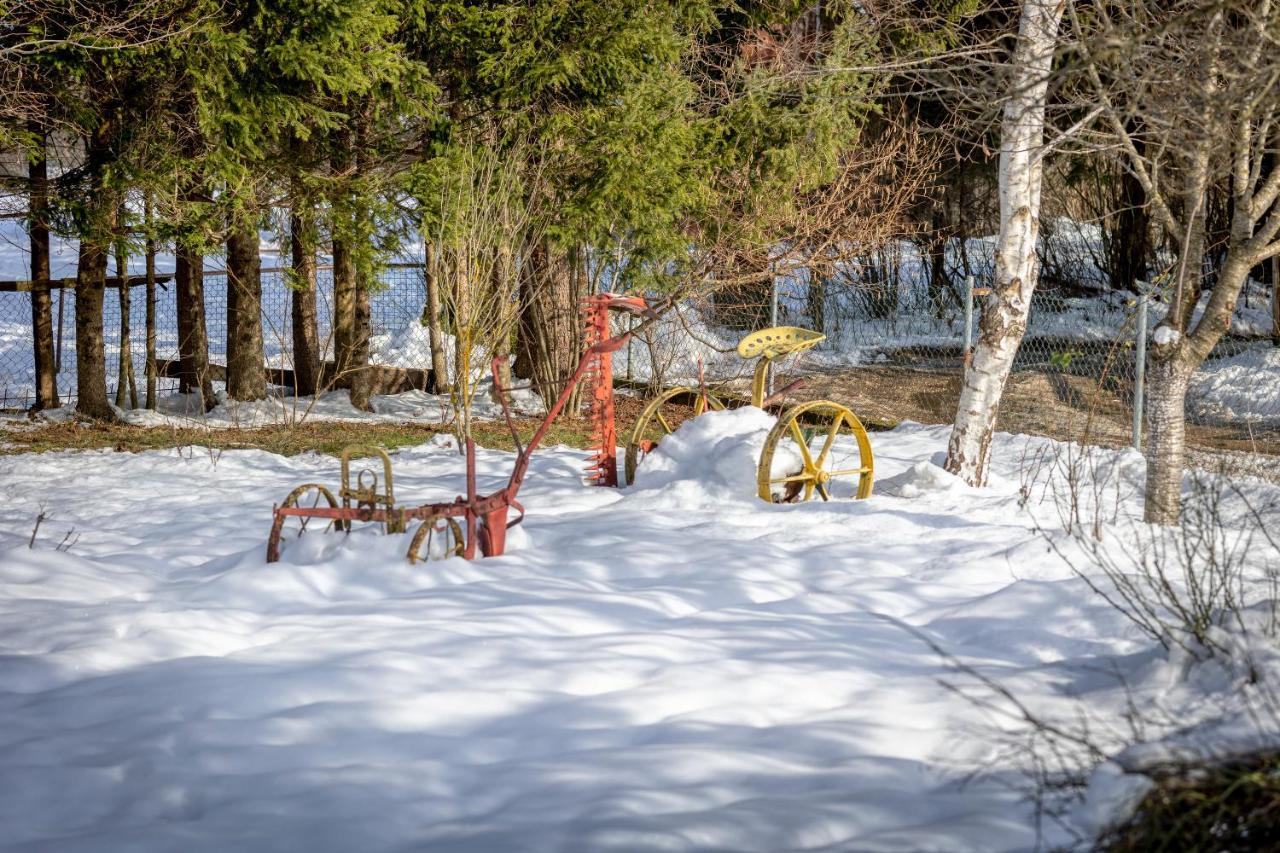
(472, 521)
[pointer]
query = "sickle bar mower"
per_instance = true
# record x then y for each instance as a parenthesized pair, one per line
(472, 521)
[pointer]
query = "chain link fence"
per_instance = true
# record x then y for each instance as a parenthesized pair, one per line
(395, 308)
(898, 353)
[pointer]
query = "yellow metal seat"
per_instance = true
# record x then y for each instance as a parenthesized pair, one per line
(779, 340)
(768, 344)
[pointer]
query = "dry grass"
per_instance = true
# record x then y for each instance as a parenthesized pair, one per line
(319, 436)
(1229, 806)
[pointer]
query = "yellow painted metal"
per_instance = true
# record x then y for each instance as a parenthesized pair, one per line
(638, 445)
(768, 344)
(365, 492)
(776, 341)
(815, 474)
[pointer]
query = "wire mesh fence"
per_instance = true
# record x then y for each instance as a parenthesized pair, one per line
(395, 306)
(892, 351)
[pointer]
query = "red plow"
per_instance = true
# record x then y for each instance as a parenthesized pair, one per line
(472, 521)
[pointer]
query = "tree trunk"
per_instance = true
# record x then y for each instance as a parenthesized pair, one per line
(193, 339)
(549, 327)
(1168, 377)
(1275, 302)
(41, 298)
(1129, 240)
(246, 361)
(817, 299)
(344, 311)
(124, 355)
(306, 346)
(1172, 363)
(1004, 318)
(151, 312)
(91, 360)
(434, 321)
(361, 376)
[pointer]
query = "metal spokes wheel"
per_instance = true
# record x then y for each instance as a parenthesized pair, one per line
(437, 538)
(287, 529)
(804, 455)
(656, 422)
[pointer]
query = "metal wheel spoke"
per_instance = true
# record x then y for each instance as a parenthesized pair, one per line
(822, 490)
(794, 478)
(663, 421)
(831, 439)
(844, 472)
(804, 446)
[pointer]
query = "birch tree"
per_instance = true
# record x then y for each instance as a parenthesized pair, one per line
(1189, 100)
(1004, 317)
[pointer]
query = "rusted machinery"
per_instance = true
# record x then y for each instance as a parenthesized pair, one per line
(471, 522)
(806, 433)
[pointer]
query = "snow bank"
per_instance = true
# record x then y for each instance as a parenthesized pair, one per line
(1242, 387)
(711, 456)
(675, 666)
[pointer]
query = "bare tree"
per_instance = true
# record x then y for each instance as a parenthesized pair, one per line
(1188, 95)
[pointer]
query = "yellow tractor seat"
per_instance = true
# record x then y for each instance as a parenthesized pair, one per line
(779, 340)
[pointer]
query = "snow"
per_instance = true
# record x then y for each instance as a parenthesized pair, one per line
(673, 666)
(1165, 336)
(1242, 387)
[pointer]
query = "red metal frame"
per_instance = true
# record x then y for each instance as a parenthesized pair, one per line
(485, 516)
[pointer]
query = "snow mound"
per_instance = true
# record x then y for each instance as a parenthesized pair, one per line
(923, 478)
(716, 453)
(1242, 387)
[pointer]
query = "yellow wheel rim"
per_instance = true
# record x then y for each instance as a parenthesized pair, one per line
(812, 429)
(638, 443)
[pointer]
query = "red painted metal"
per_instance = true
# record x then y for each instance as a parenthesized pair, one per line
(602, 467)
(485, 517)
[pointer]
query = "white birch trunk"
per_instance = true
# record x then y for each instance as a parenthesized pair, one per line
(1004, 318)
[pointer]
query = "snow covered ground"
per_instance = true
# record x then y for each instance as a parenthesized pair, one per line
(675, 666)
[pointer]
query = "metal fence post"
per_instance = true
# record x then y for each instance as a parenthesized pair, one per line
(1139, 370)
(968, 317)
(773, 318)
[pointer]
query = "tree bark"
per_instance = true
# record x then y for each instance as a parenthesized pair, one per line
(432, 317)
(91, 360)
(1275, 302)
(246, 361)
(548, 329)
(344, 311)
(1168, 379)
(361, 385)
(41, 298)
(151, 312)
(193, 339)
(1004, 318)
(306, 346)
(126, 391)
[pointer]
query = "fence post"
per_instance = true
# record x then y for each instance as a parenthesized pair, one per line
(1139, 370)
(968, 317)
(773, 318)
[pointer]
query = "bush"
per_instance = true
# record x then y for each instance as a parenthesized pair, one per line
(1233, 805)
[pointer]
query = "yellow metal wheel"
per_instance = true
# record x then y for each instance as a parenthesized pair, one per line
(808, 434)
(653, 419)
